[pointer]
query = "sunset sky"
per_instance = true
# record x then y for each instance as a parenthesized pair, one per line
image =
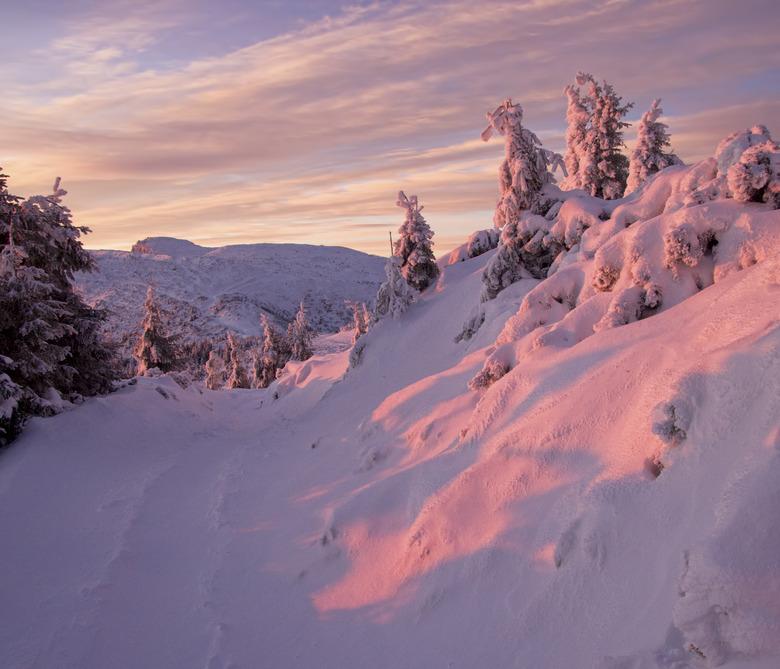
(291, 121)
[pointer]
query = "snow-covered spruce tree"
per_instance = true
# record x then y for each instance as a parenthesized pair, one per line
(215, 370)
(48, 334)
(299, 336)
(593, 149)
(525, 167)
(414, 245)
(273, 355)
(651, 153)
(155, 348)
(395, 294)
(237, 376)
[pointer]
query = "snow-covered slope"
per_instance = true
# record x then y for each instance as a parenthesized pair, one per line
(608, 500)
(209, 290)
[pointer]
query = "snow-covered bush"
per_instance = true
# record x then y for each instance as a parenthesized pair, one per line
(651, 153)
(414, 246)
(361, 320)
(482, 241)
(671, 421)
(395, 294)
(524, 170)
(756, 176)
(594, 138)
(155, 348)
(12, 404)
(492, 371)
(525, 251)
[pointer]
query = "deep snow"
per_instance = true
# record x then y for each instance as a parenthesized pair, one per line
(394, 518)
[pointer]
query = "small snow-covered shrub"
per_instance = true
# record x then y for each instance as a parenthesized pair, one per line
(470, 327)
(756, 176)
(682, 245)
(605, 277)
(356, 353)
(627, 306)
(395, 295)
(492, 371)
(672, 420)
(525, 252)
(482, 241)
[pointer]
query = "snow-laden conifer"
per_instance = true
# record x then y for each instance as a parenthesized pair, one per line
(395, 294)
(155, 348)
(414, 245)
(299, 336)
(272, 357)
(593, 154)
(215, 370)
(651, 153)
(361, 320)
(237, 376)
(48, 334)
(524, 170)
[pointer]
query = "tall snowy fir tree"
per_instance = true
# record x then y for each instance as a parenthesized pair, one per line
(49, 344)
(651, 153)
(299, 336)
(414, 246)
(155, 348)
(593, 146)
(524, 170)
(395, 294)
(237, 376)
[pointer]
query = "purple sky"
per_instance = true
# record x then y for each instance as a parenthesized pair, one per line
(293, 121)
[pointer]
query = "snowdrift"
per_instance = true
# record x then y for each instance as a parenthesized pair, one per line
(607, 497)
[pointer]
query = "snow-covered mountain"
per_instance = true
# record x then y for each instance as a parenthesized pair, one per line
(209, 290)
(583, 471)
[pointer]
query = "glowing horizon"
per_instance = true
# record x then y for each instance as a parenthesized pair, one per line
(300, 121)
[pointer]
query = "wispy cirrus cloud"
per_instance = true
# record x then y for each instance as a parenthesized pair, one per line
(308, 134)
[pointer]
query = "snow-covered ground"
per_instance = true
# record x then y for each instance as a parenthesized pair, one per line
(208, 291)
(578, 467)
(391, 517)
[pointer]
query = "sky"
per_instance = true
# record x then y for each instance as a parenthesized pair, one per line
(246, 121)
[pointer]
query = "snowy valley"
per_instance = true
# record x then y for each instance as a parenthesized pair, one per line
(209, 291)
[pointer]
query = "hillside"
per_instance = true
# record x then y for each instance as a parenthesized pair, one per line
(209, 290)
(575, 470)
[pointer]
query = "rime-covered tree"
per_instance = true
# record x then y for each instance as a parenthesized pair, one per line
(215, 370)
(361, 320)
(272, 356)
(237, 376)
(524, 170)
(395, 294)
(414, 246)
(48, 335)
(155, 348)
(651, 153)
(593, 154)
(299, 336)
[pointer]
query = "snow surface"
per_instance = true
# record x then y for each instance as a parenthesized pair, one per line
(388, 516)
(209, 291)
